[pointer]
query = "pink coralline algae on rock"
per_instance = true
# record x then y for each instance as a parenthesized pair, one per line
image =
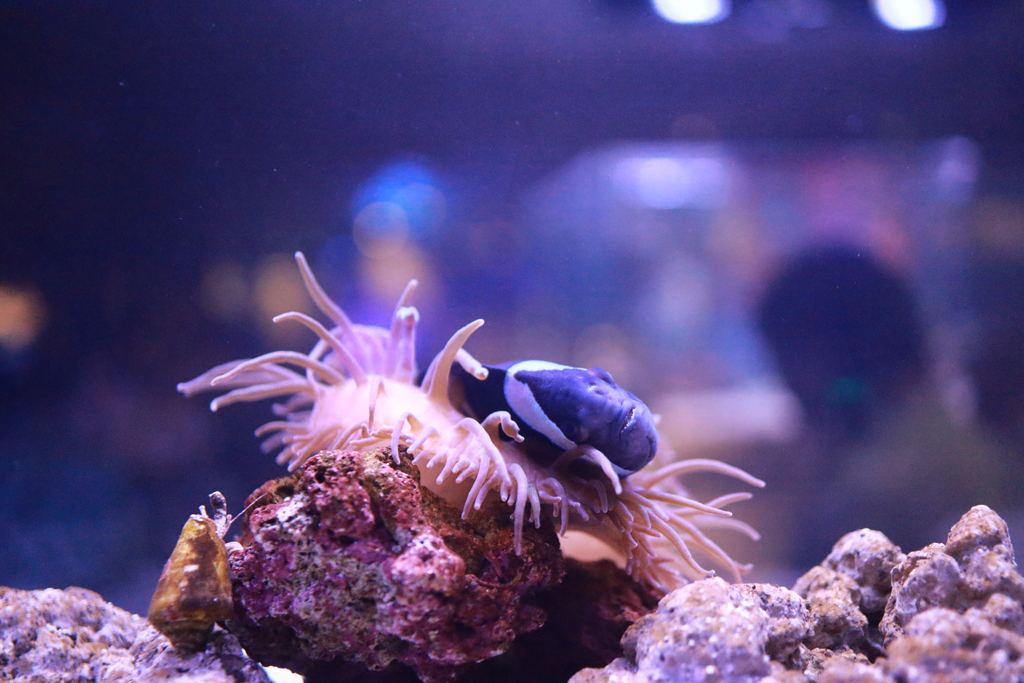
(350, 559)
(948, 613)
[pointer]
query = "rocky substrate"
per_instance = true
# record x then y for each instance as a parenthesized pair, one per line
(73, 636)
(868, 614)
(348, 570)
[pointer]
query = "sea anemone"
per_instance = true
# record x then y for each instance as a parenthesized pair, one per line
(359, 391)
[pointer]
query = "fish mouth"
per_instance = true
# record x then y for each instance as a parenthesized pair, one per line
(629, 421)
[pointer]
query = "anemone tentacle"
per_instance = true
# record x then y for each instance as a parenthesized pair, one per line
(345, 357)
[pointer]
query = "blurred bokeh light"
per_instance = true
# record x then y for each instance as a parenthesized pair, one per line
(22, 315)
(672, 183)
(400, 200)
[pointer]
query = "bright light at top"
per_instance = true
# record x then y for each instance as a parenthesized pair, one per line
(910, 15)
(692, 11)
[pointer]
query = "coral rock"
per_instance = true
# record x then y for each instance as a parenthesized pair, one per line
(927, 578)
(155, 658)
(788, 623)
(709, 631)
(943, 646)
(834, 603)
(867, 557)
(73, 636)
(976, 563)
(846, 596)
(351, 559)
(953, 612)
(55, 635)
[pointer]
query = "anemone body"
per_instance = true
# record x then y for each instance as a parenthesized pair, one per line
(356, 390)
